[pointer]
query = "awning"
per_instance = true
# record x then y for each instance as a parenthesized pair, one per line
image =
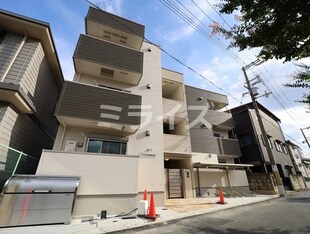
(221, 165)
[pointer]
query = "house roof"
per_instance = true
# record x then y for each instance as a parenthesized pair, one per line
(249, 105)
(40, 30)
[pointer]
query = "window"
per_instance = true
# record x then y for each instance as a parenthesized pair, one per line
(284, 149)
(269, 142)
(246, 140)
(106, 146)
(278, 146)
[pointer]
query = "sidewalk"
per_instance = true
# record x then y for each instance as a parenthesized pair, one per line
(174, 209)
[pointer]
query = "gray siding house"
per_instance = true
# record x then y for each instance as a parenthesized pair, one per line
(253, 147)
(214, 147)
(30, 83)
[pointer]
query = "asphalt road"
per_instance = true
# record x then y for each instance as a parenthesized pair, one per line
(280, 216)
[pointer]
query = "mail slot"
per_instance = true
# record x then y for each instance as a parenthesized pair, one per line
(35, 200)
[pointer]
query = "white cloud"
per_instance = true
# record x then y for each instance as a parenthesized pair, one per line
(112, 6)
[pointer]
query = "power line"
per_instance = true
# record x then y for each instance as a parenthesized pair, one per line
(179, 61)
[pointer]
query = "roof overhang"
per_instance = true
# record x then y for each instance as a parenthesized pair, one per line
(14, 94)
(227, 166)
(40, 30)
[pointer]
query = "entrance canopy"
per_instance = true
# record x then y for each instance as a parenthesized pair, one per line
(226, 166)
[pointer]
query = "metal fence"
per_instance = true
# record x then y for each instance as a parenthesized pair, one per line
(14, 162)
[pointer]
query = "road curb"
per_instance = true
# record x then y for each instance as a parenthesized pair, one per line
(179, 217)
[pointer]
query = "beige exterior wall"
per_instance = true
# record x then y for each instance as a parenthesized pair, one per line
(129, 176)
(238, 178)
(99, 178)
(204, 158)
(177, 144)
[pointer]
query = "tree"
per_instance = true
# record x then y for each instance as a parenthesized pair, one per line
(302, 80)
(280, 28)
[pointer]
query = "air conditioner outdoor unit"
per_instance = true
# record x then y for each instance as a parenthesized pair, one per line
(70, 146)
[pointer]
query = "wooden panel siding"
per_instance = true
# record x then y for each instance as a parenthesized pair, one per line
(21, 63)
(115, 22)
(40, 85)
(8, 48)
(106, 53)
(84, 101)
(20, 132)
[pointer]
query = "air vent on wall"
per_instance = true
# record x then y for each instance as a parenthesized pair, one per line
(115, 35)
(107, 72)
(107, 32)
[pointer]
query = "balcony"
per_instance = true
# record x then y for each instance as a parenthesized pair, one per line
(107, 60)
(220, 120)
(228, 147)
(174, 108)
(93, 106)
(113, 28)
(177, 143)
(196, 96)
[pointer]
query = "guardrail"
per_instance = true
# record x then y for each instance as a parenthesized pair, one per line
(14, 162)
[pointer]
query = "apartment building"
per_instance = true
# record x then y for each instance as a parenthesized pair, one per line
(30, 83)
(253, 147)
(108, 133)
(214, 146)
(124, 123)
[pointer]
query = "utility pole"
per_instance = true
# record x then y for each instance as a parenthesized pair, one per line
(264, 134)
(306, 139)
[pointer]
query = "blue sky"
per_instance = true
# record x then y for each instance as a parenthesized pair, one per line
(164, 28)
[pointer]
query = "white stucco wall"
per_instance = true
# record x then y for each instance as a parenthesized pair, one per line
(238, 178)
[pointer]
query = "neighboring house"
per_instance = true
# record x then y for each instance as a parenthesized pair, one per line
(252, 145)
(214, 146)
(306, 170)
(30, 83)
(297, 156)
(124, 123)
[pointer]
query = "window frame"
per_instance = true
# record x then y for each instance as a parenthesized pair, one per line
(102, 140)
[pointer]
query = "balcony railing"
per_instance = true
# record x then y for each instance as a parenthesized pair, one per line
(228, 146)
(174, 108)
(107, 60)
(177, 143)
(88, 104)
(113, 28)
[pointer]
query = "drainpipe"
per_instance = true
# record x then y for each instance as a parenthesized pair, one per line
(85, 140)
(228, 181)
(63, 134)
(198, 181)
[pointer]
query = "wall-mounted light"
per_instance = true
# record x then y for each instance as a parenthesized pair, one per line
(200, 98)
(149, 49)
(147, 133)
(148, 86)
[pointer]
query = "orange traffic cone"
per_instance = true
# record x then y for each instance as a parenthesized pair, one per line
(221, 197)
(145, 195)
(152, 211)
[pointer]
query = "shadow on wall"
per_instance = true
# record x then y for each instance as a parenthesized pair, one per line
(33, 132)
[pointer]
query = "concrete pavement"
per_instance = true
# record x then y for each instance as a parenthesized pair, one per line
(174, 209)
